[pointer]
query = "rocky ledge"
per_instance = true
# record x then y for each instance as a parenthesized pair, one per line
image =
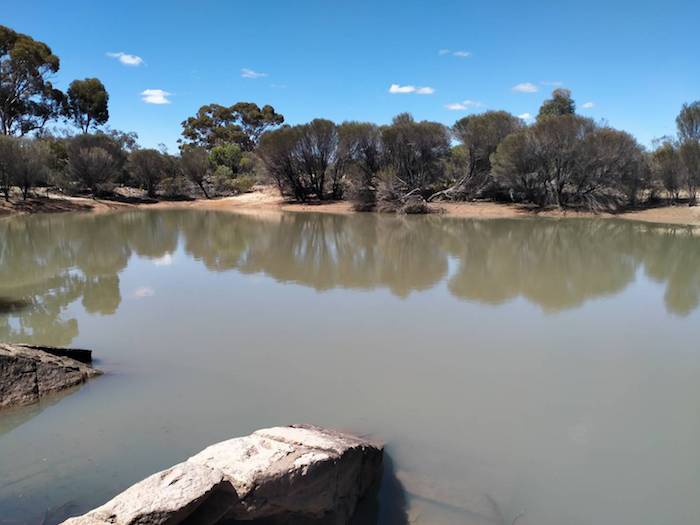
(297, 474)
(28, 373)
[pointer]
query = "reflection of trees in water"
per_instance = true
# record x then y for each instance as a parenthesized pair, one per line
(50, 262)
(555, 264)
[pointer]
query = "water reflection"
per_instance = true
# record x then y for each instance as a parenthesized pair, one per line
(48, 262)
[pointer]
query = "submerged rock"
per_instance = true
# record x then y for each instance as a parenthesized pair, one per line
(28, 373)
(296, 474)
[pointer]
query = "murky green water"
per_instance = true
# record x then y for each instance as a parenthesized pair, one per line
(535, 368)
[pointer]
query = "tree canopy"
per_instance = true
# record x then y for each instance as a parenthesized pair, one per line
(560, 104)
(28, 100)
(242, 124)
(86, 103)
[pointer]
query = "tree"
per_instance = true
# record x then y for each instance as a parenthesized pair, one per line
(28, 100)
(277, 150)
(148, 167)
(95, 160)
(228, 155)
(667, 167)
(560, 104)
(688, 124)
(242, 124)
(415, 151)
(31, 166)
(86, 103)
(195, 166)
(479, 136)
(317, 151)
(9, 160)
(543, 160)
(255, 121)
(360, 147)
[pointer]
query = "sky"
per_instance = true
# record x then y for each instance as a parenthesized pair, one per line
(630, 64)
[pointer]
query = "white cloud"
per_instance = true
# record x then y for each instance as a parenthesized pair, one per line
(588, 105)
(165, 260)
(398, 89)
(144, 291)
(465, 104)
(527, 117)
(525, 87)
(460, 54)
(250, 73)
(126, 58)
(553, 83)
(155, 96)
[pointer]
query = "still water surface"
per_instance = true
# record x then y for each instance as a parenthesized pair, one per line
(541, 371)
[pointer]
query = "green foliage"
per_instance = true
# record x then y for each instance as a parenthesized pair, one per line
(86, 103)
(560, 104)
(28, 100)
(228, 155)
(242, 124)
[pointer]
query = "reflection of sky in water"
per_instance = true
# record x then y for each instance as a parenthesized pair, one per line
(547, 366)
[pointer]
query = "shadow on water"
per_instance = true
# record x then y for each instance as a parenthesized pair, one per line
(54, 261)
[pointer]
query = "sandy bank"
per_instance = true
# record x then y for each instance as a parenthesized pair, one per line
(265, 200)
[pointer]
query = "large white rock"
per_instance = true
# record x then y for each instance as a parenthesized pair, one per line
(281, 474)
(28, 373)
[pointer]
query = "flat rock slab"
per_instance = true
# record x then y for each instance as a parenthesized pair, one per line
(28, 373)
(296, 474)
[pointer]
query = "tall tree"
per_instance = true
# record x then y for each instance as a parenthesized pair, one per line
(242, 124)
(688, 123)
(28, 100)
(560, 104)
(479, 136)
(86, 103)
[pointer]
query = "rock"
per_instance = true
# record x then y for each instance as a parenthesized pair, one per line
(28, 373)
(296, 474)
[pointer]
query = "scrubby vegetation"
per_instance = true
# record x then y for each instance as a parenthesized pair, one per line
(561, 160)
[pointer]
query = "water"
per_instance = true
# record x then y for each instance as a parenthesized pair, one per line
(541, 371)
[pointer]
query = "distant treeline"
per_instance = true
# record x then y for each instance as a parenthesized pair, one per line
(562, 159)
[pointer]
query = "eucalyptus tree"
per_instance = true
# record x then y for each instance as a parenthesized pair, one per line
(195, 165)
(688, 124)
(415, 152)
(28, 99)
(242, 123)
(479, 137)
(360, 147)
(86, 104)
(560, 104)
(148, 167)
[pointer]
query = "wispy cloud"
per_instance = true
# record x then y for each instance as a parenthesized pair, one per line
(527, 117)
(165, 260)
(553, 83)
(399, 89)
(459, 54)
(588, 105)
(126, 58)
(525, 87)
(144, 291)
(250, 73)
(464, 105)
(155, 96)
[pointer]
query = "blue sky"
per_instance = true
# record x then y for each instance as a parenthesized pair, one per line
(634, 62)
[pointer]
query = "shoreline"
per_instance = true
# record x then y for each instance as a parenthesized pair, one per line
(266, 199)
